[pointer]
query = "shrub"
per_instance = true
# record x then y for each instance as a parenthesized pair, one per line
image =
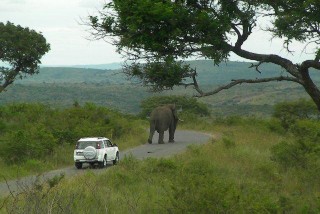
(228, 143)
(301, 154)
(35, 143)
(276, 126)
(306, 130)
(289, 112)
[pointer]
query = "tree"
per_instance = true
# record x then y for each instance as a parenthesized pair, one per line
(21, 49)
(157, 35)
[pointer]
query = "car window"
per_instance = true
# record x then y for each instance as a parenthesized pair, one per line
(105, 143)
(109, 143)
(102, 144)
(85, 144)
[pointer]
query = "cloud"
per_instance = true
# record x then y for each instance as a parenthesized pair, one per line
(14, 1)
(11, 5)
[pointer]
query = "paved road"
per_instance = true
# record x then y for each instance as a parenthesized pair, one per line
(182, 140)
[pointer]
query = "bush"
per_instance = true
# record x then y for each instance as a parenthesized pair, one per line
(300, 153)
(35, 143)
(228, 143)
(306, 130)
(289, 112)
(276, 126)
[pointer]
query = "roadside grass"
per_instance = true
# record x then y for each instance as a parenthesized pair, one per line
(230, 174)
(62, 156)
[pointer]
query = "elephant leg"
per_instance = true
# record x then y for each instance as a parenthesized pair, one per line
(161, 135)
(151, 133)
(171, 133)
(171, 136)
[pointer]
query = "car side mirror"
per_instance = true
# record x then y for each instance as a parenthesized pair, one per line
(114, 145)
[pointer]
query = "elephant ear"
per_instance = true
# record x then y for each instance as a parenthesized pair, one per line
(173, 109)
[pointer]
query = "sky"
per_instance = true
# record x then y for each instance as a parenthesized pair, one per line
(60, 23)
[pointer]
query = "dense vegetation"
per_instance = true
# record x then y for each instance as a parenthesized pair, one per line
(36, 137)
(250, 166)
(60, 87)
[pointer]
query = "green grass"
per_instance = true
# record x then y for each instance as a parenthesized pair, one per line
(233, 173)
(35, 138)
(62, 157)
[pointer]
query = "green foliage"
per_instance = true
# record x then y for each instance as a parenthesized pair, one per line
(304, 150)
(160, 24)
(188, 105)
(153, 31)
(22, 49)
(159, 75)
(18, 146)
(295, 19)
(289, 112)
(305, 154)
(228, 143)
(111, 89)
(164, 31)
(35, 131)
(205, 179)
(306, 130)
(276, 126)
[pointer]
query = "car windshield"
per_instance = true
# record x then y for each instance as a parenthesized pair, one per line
(84, 144)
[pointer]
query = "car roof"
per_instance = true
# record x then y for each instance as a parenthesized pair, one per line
(93, 139)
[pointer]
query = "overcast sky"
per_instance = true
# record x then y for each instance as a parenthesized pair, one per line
(58, 20)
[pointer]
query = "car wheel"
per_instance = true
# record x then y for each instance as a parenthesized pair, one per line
(116, 160)
(78, 165)
(103, 163)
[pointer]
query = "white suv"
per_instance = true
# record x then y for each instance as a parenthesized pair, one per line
(94, 150)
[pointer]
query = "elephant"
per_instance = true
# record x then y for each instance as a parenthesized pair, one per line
(163, 118)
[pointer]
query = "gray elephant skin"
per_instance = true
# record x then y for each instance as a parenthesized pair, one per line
(163, 118)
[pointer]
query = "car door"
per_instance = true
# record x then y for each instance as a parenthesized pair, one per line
(109, 150)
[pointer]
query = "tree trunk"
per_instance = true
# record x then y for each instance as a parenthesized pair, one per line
(310, 87)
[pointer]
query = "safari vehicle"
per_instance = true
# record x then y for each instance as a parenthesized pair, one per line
(95, 150)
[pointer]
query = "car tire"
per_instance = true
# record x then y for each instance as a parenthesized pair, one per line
(117, 158)
(103, 163)
(78, 165)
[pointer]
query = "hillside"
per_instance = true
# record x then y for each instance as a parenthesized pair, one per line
(62, 86)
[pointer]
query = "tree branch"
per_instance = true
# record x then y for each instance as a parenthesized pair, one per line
(309, 64)
(241, 81)
(272, 58)
(256, 66)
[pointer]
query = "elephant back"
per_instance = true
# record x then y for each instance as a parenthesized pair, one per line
(162, 116)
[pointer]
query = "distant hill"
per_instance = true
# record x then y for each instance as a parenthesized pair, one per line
(109, 66)
(208, 73)
(61, 86)
(75, 75)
